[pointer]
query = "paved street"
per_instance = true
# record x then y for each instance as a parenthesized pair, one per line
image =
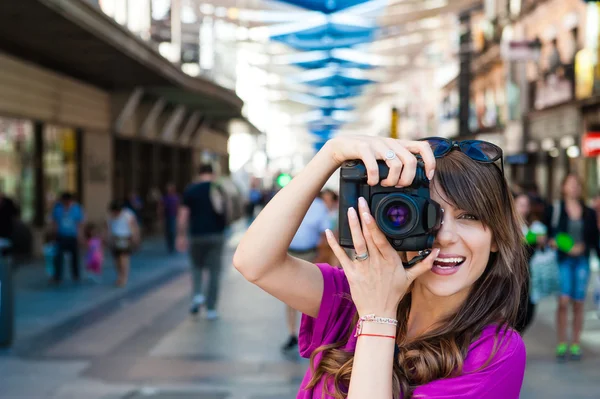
(97, 342)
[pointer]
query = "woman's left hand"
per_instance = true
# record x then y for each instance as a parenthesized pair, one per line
(378, 283)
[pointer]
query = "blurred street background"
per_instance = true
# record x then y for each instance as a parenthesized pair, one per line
(122, 100)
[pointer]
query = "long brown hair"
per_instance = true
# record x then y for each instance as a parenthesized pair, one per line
(494, 298)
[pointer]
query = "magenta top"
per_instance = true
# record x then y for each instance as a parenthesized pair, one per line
(501, 378)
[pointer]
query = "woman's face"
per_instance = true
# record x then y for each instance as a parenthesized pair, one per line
(465, 245)
(522, 206)
(572, 188)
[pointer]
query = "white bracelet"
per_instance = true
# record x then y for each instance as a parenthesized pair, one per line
(373, 319)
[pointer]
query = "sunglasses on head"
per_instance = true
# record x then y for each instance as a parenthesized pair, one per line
(477, 150)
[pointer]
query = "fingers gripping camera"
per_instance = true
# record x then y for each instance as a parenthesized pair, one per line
(407, 216)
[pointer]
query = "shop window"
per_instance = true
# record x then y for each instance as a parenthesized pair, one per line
(17, 176)
(60, 163)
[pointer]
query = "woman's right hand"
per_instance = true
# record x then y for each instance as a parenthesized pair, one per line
(379, 282)
(369, 149)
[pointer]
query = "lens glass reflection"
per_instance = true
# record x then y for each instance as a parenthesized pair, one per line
(397, 215)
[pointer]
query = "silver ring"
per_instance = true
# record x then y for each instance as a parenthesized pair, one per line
(391, 154)
(361, 257)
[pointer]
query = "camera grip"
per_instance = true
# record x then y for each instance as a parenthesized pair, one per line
(349, 195)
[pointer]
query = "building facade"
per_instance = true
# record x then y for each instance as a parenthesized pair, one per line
(88, 107)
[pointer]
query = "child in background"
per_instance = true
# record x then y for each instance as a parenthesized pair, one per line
(94, 256)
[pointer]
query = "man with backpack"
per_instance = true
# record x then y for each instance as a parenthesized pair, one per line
(203, 215)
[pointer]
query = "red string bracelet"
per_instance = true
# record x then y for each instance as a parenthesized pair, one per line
(378, 335)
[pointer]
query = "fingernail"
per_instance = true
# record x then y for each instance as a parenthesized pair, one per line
(430, 174)
(328, 233)
(352, 213)
(362, 202)
(366, 217)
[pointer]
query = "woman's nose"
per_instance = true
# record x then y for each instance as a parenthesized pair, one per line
(446, 235)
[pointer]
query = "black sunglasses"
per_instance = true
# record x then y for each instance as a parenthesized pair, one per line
(477, 150)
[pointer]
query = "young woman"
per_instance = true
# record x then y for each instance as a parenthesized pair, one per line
(123, 236)
(577, 224)
(439, 329)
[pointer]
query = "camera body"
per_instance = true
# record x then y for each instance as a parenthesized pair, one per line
(407, 216)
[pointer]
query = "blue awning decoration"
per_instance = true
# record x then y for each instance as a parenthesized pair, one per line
(333, 77)
(334, 68)
(325, 6)
(327, 37)
(345, 58)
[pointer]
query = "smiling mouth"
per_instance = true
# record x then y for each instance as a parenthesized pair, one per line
(448, 263)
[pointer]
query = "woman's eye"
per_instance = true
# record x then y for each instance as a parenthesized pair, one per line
(468, 216)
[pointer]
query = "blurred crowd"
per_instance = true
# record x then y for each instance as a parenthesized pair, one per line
(559, 235)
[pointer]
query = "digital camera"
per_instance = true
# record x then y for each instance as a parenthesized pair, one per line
(407, 216)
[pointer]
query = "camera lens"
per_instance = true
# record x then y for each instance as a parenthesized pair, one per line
(397, 214)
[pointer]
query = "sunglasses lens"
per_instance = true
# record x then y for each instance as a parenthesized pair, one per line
(439, 146)
(481, 151)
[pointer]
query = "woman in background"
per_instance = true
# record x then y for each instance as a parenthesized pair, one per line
(575, 235)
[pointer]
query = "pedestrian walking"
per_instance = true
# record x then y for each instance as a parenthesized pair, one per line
(123, 237)
(67, 219)
(202, 216)
(169, 207)
(374, 329)
(305, 245)
(575, 234)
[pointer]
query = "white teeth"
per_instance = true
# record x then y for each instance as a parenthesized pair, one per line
(450, 260)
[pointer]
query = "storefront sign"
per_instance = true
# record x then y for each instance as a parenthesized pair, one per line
(553, 91)
(591, 144)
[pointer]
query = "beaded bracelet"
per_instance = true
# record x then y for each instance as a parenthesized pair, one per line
(373, 319)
